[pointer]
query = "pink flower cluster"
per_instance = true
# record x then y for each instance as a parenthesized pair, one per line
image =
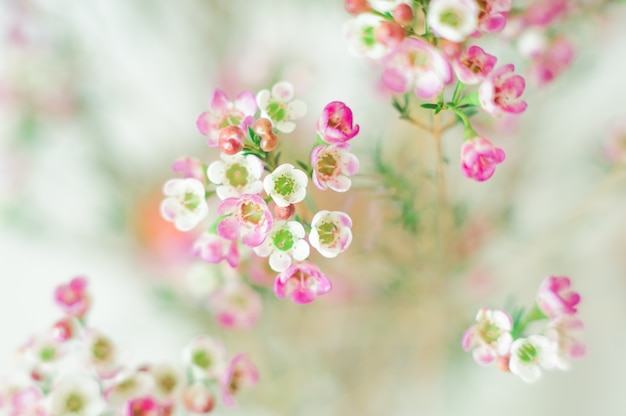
(74, 369)
(260, 198)
(496, 337)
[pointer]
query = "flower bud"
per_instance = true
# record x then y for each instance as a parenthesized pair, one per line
(389, 33)
(357, 6)
(403, 14)
(284, 213)
(262, 126)
(503, 363)
(268, 142)
(231, 140)
(197, 398)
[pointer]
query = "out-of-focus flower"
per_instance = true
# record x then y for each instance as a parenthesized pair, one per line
(241, 372)
(223, 113)
(190, 167)
(101, 354)
(501, 92)
(454, 20)
(248, 217)
(198, 398)
(213, 248)
(236, 175)
(65, 329)
(280, 107)
(303, 282)
(360, 34)
(332, 165)
(555, 297)
(416, 65)
(557, 57)
(562, 331)
(544, 12)
(286, 185)
(143, 406)
(386, 5)
(335, 124)
(185, 204)
(530, 355)
(75, 395)
(283, 243)
(168, 382)
(26, 401)
(127, 385)
(479, 158)
(236, 305)
(43, 354)
(331, 232)
(492, 16)
(72, 297)
(473, 65)
(490, 337)
(205, 357)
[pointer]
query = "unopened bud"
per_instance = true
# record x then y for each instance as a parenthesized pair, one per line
(284, 213)
(262, 126)
(389, 33)
(231, 140)
(268, 142)
(357, 6)
(403, 14)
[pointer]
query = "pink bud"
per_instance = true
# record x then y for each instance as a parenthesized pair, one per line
(403, 14)
(389, 33)
(231, 140)
(284, 213)
(357, 6)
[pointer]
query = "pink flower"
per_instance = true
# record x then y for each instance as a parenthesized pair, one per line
(332, 165)
(28, 401)
(552, 62)
(72, 298)
(241, 372)
(223, 113)
(190, 167)
(303, 282)
(492, 16)
(543, 12)
(236, 305)
(501, 92)
(198, 398)
(143, 406)
(555, 298)
(473, 65)
(490, 336)
(65, 329)
(562, 331)
(248, 217)
(335, 125)
(213, 249)
(416, 64)
(479, 158)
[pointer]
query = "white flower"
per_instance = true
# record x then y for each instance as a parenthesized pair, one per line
(77, 395)
(280, 107)
(286, 185)
(205, 357)
(330, 232)
(236, 175)
(284, 242)
(127, 385)
(490, 336)
(530, 355)
(168, 381)
(185, 204)
(101, 354)
(359, 33)
(454, 20)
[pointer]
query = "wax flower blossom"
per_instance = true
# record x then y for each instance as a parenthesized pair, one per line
(454, 20)
(530, 355)
(360, 35)
(26, 401)
(286, 185)
(335, 124)
(205, 357)
(492, 16)
(303, 282)
(416, 65)
(75, 395)
(490, 336)
(224, 113)
(548, 65)
(246, 216)
(236, 175)
(198, 398)
(501, 92)
(72, 298)
(213, 248)
(479, 158)
(555, 297)
(332, 166)
(563, 332)
(280, 107)
(185, 204)
(101, 354)
(190, 167)
(236, 305)
(331, 232)
(241, 372)
(473, 65)
(283, 243)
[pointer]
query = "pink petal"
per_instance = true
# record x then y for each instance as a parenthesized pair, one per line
(220, 101)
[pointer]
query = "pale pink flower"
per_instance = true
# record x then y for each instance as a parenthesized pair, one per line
(205, 357)
(65, 329)
(490, 337)
(360, 36)
(335, 124)
(236, 305)
(247, 216)
(557, 57)
(555, 297)
(454, 20)
(73, 298)
(332, 165)
(331, 232)
(198, 398)
(303, 282)
(43, 353)
(479, 158)
(27, 401)
(213, 248)
(190, 167)
(283, 243)
(493, 15)
(501, 92)
(101, 354)
(563, 330)
(127, 385)
(416, 65)
(143, 406)
(236, 175)
(76, 395)
(286, 185)
(241, 372)
(168, 382)
(473, 65)
(185, 204)
(224, 113)
(280, 107)
(530, 355)
(544, 12)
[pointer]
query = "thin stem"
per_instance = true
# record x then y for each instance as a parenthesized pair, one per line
(418, 124)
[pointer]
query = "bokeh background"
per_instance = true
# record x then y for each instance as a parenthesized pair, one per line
(99, 97)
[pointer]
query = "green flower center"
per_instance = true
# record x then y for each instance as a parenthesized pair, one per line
(202, 359)
(74, 403)
(232, 119)
(102, 350)
(251, 212)
(191, 201)
(489, 331)
(237, 175)
(283, 240)
(368, 37)
(48, 354)
(327, 164)
(167, 383)
(276, 111)
(451, 18)
(527, 353)
(284, 185)
(327, 232)
(419, 58)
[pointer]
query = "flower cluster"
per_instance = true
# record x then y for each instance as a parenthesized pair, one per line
(498, 337)
(74, 369)
(260, 199)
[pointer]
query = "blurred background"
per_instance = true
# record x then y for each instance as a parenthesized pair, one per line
(99, 97)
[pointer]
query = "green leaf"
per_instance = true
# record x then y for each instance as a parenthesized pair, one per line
(429, 106)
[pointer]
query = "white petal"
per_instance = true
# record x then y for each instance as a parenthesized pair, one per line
(301, 250)
(280, 261)
(286, 126)
(216, 172)
(296, 228)
(296, 109)
(283, 91)
(224, 192)
(263, 99)
(298, 196)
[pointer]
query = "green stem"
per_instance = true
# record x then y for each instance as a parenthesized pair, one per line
(457, 91)
(535, 314)
(469, 131)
